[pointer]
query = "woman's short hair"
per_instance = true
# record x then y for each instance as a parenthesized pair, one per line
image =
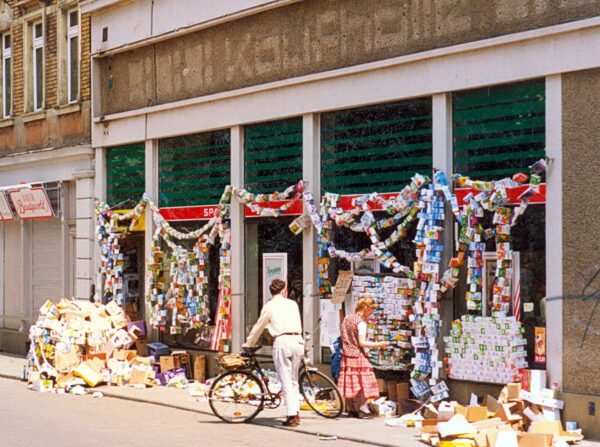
(366, 303)
(277, 285)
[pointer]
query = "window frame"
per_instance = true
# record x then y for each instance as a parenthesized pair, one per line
(6, 56)
(37, 43)
(73, 31)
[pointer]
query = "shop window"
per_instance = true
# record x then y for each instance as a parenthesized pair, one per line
(273, 155)
(499, 131)
(125, 175)
(37, 65)
(194, 169)
(6, 75)
(376, 148)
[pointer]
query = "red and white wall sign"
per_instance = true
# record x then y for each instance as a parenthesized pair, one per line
(31, 203)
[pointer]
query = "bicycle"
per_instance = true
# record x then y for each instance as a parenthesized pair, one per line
(241, 393)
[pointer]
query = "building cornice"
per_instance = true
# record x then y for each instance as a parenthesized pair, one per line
(46, 155)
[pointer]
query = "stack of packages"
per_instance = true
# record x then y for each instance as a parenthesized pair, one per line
(390, 321)
(425, 376)
(485, 349)
(155, 283)
(509, 421)
(77, 342)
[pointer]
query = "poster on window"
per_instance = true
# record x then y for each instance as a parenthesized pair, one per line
(31, 203)
(274, 267)
(5, 211)
(540, 345)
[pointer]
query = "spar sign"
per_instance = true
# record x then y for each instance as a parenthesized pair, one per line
(31, 203)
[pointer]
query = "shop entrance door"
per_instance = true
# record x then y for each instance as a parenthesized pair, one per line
(132, 247)
(270, 237)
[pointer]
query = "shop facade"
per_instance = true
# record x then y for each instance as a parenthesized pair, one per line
(354, 99)
(45, 150)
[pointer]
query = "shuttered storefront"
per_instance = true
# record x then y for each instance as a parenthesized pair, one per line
(273, 155)
(194, 169)
(48, 262)
(125, 179)
(376, 148)
(13, 298)
(499, 131)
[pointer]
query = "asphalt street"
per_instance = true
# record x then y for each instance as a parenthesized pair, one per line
(34, 419)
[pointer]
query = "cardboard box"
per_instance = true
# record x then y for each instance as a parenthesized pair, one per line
(138, 378)
(157, 349)
(126, 355)
(182, 360)
(200, 368)
(473, 413)
(534, 439)
(382, 386)
(88, 372)
(391, 391)
(141, 346)
(402, 391)
(63, 362)
(167, 363)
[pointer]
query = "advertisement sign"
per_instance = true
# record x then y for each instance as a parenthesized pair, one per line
(5, 211)
(274, 266)
(540, 345)
(31, 203)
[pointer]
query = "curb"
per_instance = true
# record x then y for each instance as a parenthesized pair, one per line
(262, 424)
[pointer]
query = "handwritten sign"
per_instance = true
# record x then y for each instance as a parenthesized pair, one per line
(5, 211)
(343, 283)
(274, 267)
(31, 203)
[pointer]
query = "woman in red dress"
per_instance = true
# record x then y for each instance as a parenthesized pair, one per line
(357, 381)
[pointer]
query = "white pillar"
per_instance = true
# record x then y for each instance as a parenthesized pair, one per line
(85, 238)
(100, 195)
(238, 296)
(27, 311)
(311, 174)
(442, 159)
(554, 226)
(151, 187)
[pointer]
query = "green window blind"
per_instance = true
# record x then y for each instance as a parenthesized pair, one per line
(194, 169)
(499, 131)
(125, 178)
(376, 148)
(273, 155)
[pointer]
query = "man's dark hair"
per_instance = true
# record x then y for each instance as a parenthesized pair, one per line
(277, 285)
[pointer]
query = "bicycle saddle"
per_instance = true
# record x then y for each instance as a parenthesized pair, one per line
(251, 349)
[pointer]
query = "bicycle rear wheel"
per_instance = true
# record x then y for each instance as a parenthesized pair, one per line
(321, 394)
(236, 396)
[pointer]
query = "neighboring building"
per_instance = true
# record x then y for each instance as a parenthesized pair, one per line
(353, 97)
(45, 141)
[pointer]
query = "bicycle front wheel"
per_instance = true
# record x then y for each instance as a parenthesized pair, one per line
(236, 396)
(321, 394)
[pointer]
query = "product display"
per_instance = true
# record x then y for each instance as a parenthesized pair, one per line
(486, 349)
(389, 322)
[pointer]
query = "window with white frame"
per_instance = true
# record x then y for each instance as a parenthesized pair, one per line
(38, 65)
(73, 55)
(6, 75)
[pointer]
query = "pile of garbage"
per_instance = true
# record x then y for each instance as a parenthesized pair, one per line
(79, 343)
(517, 418)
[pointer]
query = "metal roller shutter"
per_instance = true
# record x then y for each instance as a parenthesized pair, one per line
(13, 297)
(48, 262)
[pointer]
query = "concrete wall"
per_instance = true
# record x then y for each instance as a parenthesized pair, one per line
(581, 248)
(140, 19)
(312, 36)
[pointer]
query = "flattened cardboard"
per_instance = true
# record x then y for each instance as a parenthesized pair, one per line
(473, 414)
(534, 439)
(456, 426)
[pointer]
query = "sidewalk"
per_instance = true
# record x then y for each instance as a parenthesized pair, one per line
(372, 432)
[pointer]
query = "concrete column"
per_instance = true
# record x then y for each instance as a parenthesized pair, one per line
(311, 174)
(151, 188)
(442, 160)
(238, 300)
(85, 238)
(554, 228)
(27, 311)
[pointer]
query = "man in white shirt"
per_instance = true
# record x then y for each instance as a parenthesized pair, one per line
(282, 318)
